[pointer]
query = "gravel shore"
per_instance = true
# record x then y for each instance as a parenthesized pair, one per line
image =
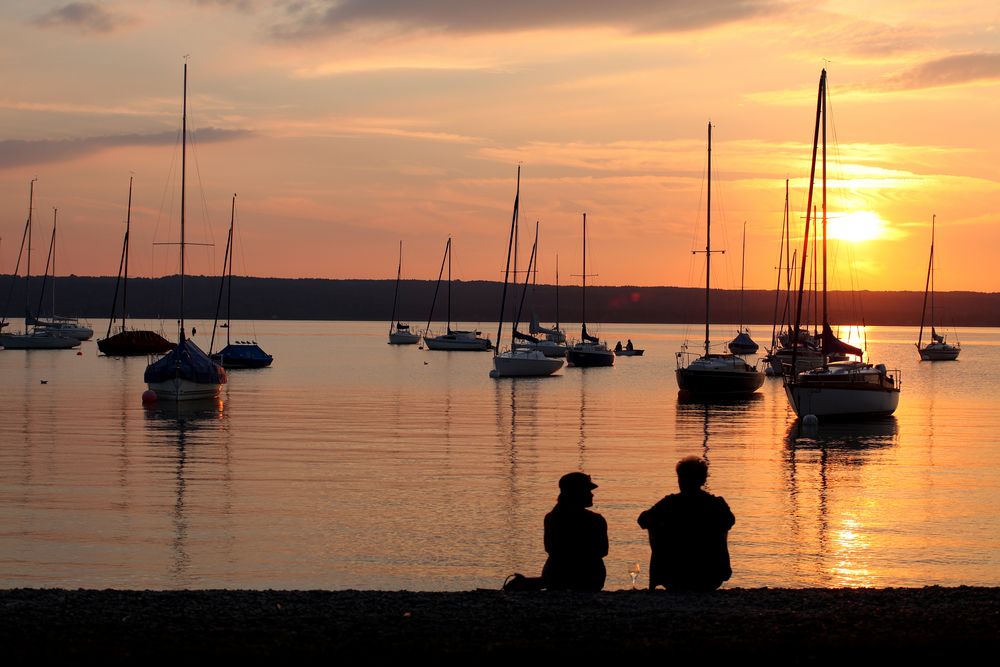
(811, 625)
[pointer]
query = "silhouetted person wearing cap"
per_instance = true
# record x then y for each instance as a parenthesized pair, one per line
(576, 538)
(687, 534)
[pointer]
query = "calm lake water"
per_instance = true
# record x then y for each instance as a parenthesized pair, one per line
(354, 464)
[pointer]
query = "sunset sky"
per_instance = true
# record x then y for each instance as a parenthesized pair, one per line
(347, 125)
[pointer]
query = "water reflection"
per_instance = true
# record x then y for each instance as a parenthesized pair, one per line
(179, 425)
(828, 458)
(844, 437)
(707, 416)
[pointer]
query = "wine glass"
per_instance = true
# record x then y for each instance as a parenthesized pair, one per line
(633, 572)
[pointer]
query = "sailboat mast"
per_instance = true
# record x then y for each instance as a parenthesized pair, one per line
(933, 224)
(395, 292)
(809, 207)
(506, 276)
(708, 241)
(231, 242)
(449, 284)
(781, 257)
(55, 215)
(27, 274)
(826, 317)
(128, 226)
(226, 260)
(437, 287)
(743, 269)
(583, 292)
(183, 182)
(557, 292)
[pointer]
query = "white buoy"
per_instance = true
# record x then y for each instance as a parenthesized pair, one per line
(810, 420)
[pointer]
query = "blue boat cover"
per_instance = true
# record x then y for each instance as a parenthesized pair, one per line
(186, 361)
(743, 341)
(243, 354)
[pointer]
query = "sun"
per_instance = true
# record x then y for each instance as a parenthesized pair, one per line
(856, 227)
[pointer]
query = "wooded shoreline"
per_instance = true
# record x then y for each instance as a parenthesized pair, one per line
(476, 302)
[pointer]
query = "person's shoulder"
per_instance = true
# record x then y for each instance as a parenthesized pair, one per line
(596, 516)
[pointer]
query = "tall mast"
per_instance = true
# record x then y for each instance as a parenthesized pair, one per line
(743, 270)
(708, 240)
(557, 292)
(128, 226)
(781, 257)
(826, 318)
(395, 293)
(506, 277)
(231, 242)
(183, 177)
(27, 274)
(820, 106)
(933, 223)
(449, 284)
(583, 309)
(55, 215)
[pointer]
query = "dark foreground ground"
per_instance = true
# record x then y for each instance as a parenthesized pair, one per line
(786, 626)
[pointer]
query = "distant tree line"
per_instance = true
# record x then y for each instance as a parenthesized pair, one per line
(476, 302)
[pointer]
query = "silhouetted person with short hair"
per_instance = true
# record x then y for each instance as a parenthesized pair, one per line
(687, 534)
(628, 345)
(576, 540)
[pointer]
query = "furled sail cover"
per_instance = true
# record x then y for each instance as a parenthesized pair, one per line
(520, 336)
(935, 336)
(187, 362)
(587, 336)
(537, 328)
(833, 344)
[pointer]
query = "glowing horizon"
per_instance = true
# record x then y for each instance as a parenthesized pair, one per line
(345, 127)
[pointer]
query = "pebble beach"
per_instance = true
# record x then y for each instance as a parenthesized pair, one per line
(785, 625)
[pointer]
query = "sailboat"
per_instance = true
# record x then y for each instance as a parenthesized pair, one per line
(57, 324)
(453, 339)
(843, 388)
(185, 372)
(36, 338)
(129, 342)
(589, 351)
(519, 362)
(242, 353)
(399, 333)
(743, 343)
(938, 349)
(550, 341)
(715, 374)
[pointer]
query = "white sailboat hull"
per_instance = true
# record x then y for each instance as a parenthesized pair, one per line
(39, 340)
(403, 338)
(546, 347)
(849, 389)
(524, 363)
(179, 389)
(458, 343)
(939, 352)
(77, 331)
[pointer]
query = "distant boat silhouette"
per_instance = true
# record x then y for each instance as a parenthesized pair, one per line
(399, 333)
(129, 342)
(453, 339)
(241, 354)
(186, 372)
